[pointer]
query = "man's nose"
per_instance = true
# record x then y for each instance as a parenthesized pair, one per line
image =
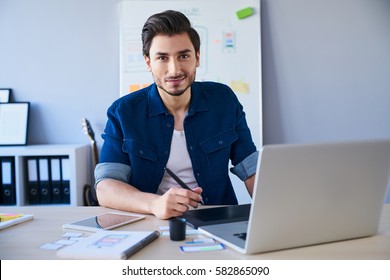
(174, 66)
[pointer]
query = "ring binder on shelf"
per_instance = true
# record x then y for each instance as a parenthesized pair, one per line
(55, 176)
(7, 183)
(32, 181)
(65, 177)
(44, 183)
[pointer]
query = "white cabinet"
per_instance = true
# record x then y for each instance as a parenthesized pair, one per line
(44, 174)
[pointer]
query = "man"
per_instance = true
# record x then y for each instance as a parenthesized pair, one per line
(192, 128)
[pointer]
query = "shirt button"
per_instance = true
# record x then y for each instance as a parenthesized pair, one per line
(190, 147)
(141, 152)
(169, 125)
(220, 142)
(198, 174)
(166, 152)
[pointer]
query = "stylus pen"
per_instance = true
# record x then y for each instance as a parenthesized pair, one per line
(179, 181)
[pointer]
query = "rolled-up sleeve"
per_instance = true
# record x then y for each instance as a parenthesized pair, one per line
(247, 167)
(112, 170)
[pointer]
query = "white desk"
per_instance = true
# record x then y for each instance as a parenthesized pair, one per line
(23, 241)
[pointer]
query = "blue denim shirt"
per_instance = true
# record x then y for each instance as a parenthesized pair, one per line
(138, 135)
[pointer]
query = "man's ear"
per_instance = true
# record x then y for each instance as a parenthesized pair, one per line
(147, 61)
(198, 59)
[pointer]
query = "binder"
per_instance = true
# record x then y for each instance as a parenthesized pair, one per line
(65, 179)
(44, 182)
(8, 180)
(1, 182)
(32, 180)
(55, 180)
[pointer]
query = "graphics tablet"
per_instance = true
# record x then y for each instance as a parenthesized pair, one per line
(217, 215)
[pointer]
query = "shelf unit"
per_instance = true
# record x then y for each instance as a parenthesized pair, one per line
(79, 168)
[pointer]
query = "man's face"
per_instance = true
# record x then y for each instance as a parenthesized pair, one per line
(173, 63)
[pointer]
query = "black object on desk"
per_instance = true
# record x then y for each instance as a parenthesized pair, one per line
(177, 229)
(217, 215)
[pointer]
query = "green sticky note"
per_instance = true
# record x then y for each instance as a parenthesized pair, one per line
(244, 13)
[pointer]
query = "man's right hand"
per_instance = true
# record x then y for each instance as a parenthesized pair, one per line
(175, 202)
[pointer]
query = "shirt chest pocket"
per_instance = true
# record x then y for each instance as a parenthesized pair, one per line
(217, 150)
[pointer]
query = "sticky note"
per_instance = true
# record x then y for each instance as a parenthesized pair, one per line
(239, 86)
(51, 246)
(134, 87)
(202, 248)
(201, 241)
(244, 13)
(8, 217)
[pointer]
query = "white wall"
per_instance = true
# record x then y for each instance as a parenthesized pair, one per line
(62, 56)
(326, 67)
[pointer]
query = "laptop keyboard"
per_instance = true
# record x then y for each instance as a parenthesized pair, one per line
(241, 235)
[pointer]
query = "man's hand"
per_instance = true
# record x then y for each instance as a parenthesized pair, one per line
(175, 202)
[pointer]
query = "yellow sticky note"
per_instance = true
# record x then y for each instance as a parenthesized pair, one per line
(239, 86)
(7, 217)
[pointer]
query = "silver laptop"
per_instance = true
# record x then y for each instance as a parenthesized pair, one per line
(311, 194)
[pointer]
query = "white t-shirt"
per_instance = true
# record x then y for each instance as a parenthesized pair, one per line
(180, 163)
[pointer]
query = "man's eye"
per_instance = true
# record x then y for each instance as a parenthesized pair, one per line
(162, 58)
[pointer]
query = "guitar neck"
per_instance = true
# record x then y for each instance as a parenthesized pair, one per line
(95, 158)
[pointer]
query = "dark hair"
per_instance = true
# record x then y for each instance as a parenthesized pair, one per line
(167, 23)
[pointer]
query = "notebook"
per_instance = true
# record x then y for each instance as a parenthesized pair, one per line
(311, 194)
(106, 244)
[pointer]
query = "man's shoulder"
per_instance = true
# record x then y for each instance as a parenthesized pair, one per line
(215, 86)
(215, 90)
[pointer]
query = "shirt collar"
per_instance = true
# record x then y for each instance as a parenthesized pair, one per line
(156, 106)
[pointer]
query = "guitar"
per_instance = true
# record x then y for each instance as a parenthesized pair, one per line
(89, 191)
(91, 136)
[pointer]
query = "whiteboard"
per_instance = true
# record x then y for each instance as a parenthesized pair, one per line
(230, 48)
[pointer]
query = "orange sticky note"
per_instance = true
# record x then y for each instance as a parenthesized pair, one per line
(134, 87)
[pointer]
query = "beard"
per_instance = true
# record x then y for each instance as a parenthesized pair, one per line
(175, 91)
